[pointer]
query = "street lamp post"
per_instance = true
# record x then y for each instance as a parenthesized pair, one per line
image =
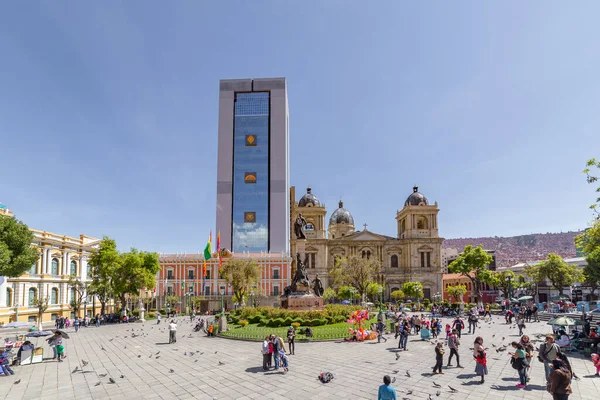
(141, 307)
(509, 289)
(380, 299)
(222, 320)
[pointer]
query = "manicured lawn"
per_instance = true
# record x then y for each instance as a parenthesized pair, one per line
(325, 332)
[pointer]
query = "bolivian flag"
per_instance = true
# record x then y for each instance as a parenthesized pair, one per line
(207, 252)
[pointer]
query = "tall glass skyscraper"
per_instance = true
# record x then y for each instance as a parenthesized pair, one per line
(253, 166)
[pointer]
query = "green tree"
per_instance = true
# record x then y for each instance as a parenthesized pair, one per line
(413, 289)
(329, 294)
(241, 273)
(558, 272)
(16, 254)
(79, 290)
(505, 281)
(593, 163)
(397, 294)
(348, 293)
(359, 272)
(457, 292)
(172, 300)
(335, 273)
(42, 306)
(473, 263)
(591, 272)
(104, 263)
(373, 291)
(136, 270)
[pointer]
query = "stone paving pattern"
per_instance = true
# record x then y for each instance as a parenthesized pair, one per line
(229, 369)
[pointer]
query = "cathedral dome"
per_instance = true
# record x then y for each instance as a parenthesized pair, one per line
(416, 198)
(309, 200)
(341, 216)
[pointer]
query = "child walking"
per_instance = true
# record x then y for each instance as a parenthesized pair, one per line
(596, 361)
(439, 359)
(5, 365)
(284, 360)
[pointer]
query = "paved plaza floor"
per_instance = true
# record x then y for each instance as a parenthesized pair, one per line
(146, 367)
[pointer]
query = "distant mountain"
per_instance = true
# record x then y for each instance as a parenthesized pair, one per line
(516, 249)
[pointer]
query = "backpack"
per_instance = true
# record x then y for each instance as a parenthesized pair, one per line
(325, 377)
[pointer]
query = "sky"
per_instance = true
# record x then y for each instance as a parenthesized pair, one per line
(108, 111)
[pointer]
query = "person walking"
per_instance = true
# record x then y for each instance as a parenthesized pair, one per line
(266, 355)
(519, 363)
(404, 332)
(453, 344)
(547, 353)
(521, 324)
(172, 332)
(76, 324)
(529, 351)
(480, 358)
(97, 320)
(458, 325)
(158, 318)
(487, 311)
(472, 323)
(291, 335)
(559, 383)
(380, 331)
(387, 392)
(439, 359)
(276, 348)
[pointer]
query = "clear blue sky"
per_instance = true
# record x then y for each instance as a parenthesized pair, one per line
(108, 111)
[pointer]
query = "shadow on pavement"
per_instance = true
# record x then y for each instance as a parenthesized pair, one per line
(160, 344)
(466, 376)
(255, 370)
(510, 379)
(536, 387)
(497, 387)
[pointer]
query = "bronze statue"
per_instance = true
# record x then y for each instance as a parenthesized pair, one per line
(301, 275)
(299, 227)
(318, 286)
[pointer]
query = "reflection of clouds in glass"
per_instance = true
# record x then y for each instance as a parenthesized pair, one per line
(256, 237)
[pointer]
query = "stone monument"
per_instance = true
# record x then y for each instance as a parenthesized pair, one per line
(299, 295)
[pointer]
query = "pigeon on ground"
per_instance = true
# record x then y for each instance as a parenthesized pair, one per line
(157, 357)
(437, 385)
(102, 375)
(452, 389)
(429, 397)
(494, 335)
(503, 337)
(493, 345)
(122, 376)
(171, 371)
(215, 352)
(393, 379)
(150, 356)
(221, 363)
(409, 392)
(407, 373)
(185, 353)
(396, 371)
(84, 363)
(158, 353)
(111, 380)
(102, 348)
(196, 361)
(438, 393)
(98, 384)
(139, 355)
(75, 370)
(17, 381)
(110, 340)
(397, 356)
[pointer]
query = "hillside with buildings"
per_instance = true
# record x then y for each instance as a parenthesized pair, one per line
(516, 249)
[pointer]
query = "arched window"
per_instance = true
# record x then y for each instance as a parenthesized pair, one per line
(54, 296)
(394, 261)
(32, 296)
(55, 266)
(309, 227)
(422, 223)
(33, 269)
(73, 270)
(9, 302)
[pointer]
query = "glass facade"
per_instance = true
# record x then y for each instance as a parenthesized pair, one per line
(250, 213)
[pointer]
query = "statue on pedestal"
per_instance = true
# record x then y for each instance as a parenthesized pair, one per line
(318, 286)
(299, 227)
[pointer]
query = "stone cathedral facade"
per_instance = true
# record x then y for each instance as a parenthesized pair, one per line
(415, 254)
